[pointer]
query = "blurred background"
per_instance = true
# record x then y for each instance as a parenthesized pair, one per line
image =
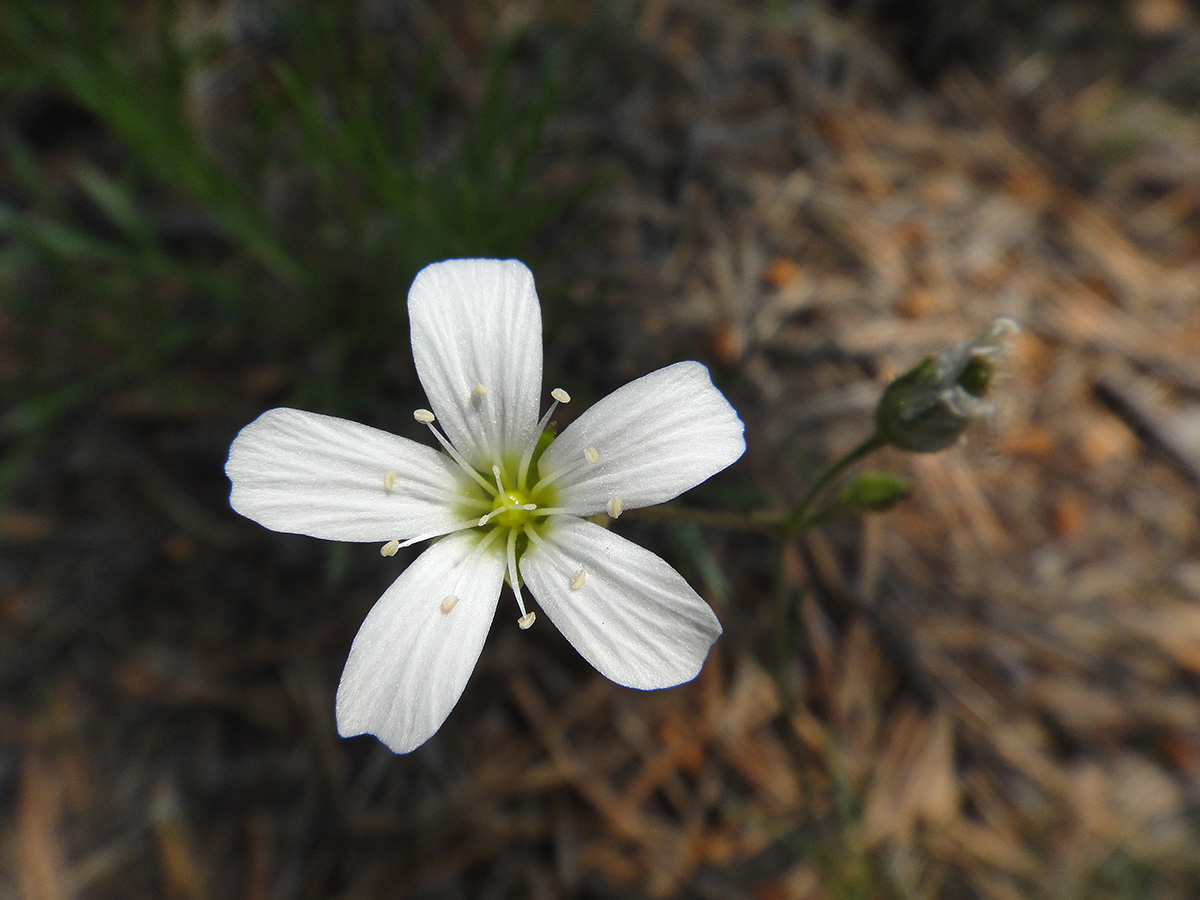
(212, 207)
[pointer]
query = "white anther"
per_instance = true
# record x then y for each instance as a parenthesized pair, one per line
(424, 416)
(389, 480)
(448, 604)
(613, 507)
(480, 390)
(578, 580)
(560, 395)
(526, 620)
(590, 454)
(389, 549)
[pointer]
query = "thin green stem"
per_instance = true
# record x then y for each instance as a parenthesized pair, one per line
(798, 519)
(730, 521)
(768, 522)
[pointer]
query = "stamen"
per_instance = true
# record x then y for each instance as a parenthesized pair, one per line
(499, 483)
(554, 511)
(425, 417)
(469, 563)
(526, 620)
(559, 396)
(578, 580)
(590, 457)
(389, 549)
(514, 580)
(466, 567)
(445, 497)
(459, 526)
(415, 489)
(614, 507)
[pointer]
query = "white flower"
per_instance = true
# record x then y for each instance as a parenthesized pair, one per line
(506, 500)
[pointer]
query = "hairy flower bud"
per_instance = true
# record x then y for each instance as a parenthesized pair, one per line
(929, 407)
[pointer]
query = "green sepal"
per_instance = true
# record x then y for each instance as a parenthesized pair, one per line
(874, 492)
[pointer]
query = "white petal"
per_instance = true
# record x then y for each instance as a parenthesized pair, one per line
(630, 614)
(477, 343)
(410, 660)
(656, 437)
(306, 473)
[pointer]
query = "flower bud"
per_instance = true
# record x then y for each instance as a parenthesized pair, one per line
(929, 407)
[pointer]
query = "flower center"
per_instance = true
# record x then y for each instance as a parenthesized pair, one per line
(510, 508)
(516, 502)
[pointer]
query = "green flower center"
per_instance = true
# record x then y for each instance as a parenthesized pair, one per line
(516, 498)
(511, 502)
(511, 510)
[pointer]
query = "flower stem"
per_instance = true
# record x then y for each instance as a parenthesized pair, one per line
(730, 521)
(799, 518)
(776, 523)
